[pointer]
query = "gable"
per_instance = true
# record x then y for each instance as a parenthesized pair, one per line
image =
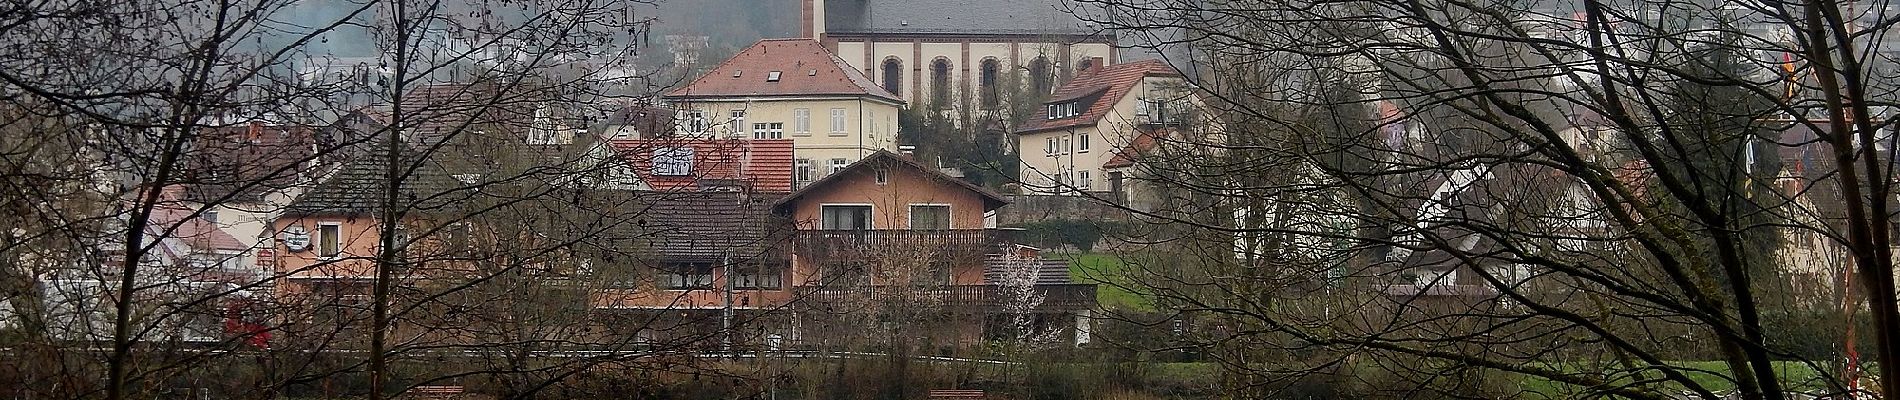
(782, 67)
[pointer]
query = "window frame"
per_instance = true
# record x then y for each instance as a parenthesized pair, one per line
(801, 170)
(701, 277)
(801, 121)
(1082, 180)
(870, 216)
(737, 121)
(1082, 142)
(335, 240)
(838, 165)
(754, 276)
(838, 118)
(768, 130)
(949, 215)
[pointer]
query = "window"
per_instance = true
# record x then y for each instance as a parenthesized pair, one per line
(683, 276)
(883, 176)
(837, 121)
(1061, 110)
(1049, 146)
(1082, 180)
(757, 277)
(1084, 65)
(1141, 107)
(893, 76)
(940, 83)
(838, 164)
(673, 161)
(929, 216)
(801, 170)
(986, 79)
(1067, 145)
(736, 127)
(1082, 143)
(844, 217)
(693, 122)
(329, 239)
(801, 121)
(772, 76)
(774, 130)
(1040, 79)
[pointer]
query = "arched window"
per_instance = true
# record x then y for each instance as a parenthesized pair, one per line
(893, 76)
(940, 82)
(987, 80)
(1039, 78)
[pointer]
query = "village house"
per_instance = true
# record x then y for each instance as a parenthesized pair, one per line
(791, 89)
(939, 54)
(1089, 134)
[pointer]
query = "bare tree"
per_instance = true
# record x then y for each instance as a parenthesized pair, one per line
(1581, 195)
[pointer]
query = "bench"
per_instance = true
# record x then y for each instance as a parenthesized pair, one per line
(956, 394)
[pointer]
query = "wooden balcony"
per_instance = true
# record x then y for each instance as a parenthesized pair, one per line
(949, 298)
(953, 244)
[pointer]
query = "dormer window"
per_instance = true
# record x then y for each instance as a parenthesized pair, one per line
(1062, 110)
(772, 76)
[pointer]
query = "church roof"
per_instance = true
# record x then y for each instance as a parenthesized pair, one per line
(955, 17)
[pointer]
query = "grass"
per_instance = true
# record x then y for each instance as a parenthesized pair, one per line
(1105, 270)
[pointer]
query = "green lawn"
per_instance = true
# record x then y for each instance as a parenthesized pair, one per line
(1708, 374)
(1104, 270)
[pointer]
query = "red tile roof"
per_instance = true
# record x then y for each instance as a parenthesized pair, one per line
(805, 68)
(765, 164)
(1113, 81)
(243, 162)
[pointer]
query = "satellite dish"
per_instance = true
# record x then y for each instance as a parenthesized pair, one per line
(296, 238)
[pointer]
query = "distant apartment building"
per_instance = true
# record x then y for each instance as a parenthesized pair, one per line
(791, 89)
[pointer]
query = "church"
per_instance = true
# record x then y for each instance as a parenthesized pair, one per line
(946, 55)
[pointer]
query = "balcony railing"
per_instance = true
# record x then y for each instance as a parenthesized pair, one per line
(967, 298)
(868, 244)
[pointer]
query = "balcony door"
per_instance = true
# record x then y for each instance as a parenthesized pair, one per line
(844, 217)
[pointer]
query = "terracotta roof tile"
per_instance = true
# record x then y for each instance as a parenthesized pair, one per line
(1126, 155)
(1113, 82)
(766, 164)
(805, 68)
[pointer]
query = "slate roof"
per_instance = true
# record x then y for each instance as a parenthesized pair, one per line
(763, 164)
(358, 187)
(246, 161)
(991, 200)
(1098, 89)
(955, 17)
(805, 68)
(705, 226)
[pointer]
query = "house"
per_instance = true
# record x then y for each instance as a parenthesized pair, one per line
(880, 229)
(1087, 137)
(939, 54)
(791, 89)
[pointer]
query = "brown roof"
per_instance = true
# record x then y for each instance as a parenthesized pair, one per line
(991, 200)
(1126, 155)
(764, 164)
(193, 230)
(1112, 82)
(243, 162)
(805, 68)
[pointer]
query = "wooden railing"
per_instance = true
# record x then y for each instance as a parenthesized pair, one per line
(973, 298)
(865, 244)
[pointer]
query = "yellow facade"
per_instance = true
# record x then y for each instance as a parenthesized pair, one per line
(823, 130)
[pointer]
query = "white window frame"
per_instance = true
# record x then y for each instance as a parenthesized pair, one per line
(837, 121)
(801, 121)
(318, 239)
(1082, 180)
(949, 215)
(768, 130)
(838, 165)
(738, 122)
(1082, 143)
(1049, 146)
(801, 170)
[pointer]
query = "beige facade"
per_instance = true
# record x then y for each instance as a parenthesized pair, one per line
(826, 132)
(1068, 160)
(915, 57)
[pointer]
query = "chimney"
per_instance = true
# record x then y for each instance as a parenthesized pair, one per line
(1094, 63)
